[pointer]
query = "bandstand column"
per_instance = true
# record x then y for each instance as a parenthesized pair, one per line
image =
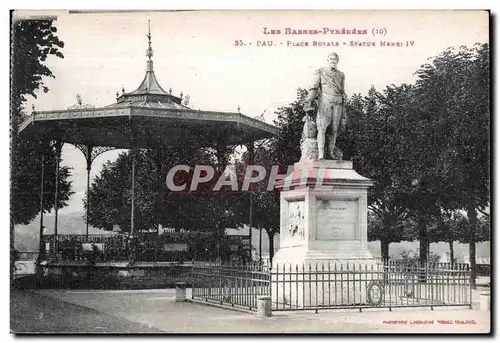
(221, 151)
(88, 157)
(133, 153)
(41, 247)
(260, 243)
(251, 159)
(58, 147)
(158, 163)
(90, 152)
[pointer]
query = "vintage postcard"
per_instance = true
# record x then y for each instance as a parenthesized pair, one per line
(251, 171)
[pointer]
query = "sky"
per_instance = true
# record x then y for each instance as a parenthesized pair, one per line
(199, 53)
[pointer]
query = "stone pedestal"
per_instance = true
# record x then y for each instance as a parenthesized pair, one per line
(264, 307)
(180, 292)
(484, 301)
(323, 231)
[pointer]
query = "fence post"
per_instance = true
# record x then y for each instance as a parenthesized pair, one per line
(274, 299)
(360, 286)
(316, 285)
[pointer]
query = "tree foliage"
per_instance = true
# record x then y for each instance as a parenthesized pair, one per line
(285, 147)
(26, 180)
(110, 194)
(33, 42)
(265, 202)
(426, 146)
(377, 142)
(453, 92)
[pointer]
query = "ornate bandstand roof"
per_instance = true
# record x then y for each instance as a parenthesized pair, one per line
(145, 117)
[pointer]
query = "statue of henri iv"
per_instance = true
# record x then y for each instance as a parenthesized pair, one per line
(325, 113)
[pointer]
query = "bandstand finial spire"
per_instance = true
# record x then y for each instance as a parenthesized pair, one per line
(149, 84)
(149, 52)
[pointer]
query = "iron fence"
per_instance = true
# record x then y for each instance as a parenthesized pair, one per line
(239, 285)
(336, 285)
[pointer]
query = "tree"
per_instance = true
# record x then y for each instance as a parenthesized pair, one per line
(454, 226)
(25, 182)
(453, 90)
(441, 172)
(33, 41)
(266, 203)
(285, 147)
(378, 146)
(110, 194)
(399, 231)
(202, 209)
(449, 227)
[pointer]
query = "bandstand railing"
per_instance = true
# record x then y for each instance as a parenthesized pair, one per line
(179, 247)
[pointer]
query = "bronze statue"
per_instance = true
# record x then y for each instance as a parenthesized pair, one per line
(325, 105)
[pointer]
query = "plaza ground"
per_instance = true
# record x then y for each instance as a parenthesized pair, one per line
(155, 311)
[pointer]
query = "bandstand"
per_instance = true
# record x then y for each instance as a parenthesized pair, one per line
(148, 117)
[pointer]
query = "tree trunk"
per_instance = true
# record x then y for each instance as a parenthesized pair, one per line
(384, 252)
(217, 242)
(452, 252)
(424, 247)
(270, 234)
(384, 249)
(423, 240)
(472, 215)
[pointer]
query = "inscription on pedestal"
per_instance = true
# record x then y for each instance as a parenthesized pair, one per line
(336, 219)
